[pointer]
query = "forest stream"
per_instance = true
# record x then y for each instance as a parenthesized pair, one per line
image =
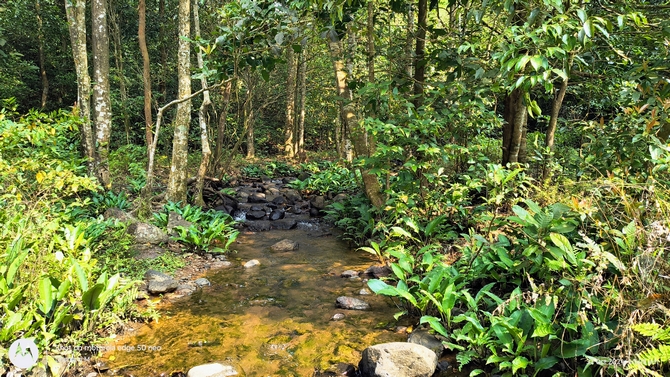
(274, 319)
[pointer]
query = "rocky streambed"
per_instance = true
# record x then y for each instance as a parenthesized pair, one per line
(289, 300)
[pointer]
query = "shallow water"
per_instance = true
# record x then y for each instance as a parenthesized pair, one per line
(270, 320)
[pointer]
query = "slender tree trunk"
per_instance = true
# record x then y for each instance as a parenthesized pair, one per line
(40, 50)
(339, 138)
(76, 17)
(249, 125)
(146, 72)
(176, 190)
(409, 44)
(101, 99)
(302, 85)
(221, 128)
(371, 41)
(162, 86)
(202, 118)
(419, 60)
(289, 127)
(118, 59)
(360, 142)
(516, 116)
(551, 130)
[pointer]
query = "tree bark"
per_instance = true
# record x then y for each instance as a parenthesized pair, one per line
(176, 190)
(419, 59)
(289, 127)
(40, 50)
(221, 128)
(101, 99)
(118, 60)
(516, 116)
(302, 92)
(360, 141)
(76, 17)
(249, 124)
(371, 42)
(409, 44)
(162, 85)
(202, 118)
(551, 130)
(146, 72)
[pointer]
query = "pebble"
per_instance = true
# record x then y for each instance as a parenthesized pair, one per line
(364, 291)
(252, 263)
(337, 317)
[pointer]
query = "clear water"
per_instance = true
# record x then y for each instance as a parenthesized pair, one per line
(270, 320)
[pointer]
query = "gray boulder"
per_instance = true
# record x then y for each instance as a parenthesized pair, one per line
(285, 245)
(175, 220)
(428, 340)
(201, 282)
(257, 197)
(212, 370)
(318, 202)
(147, 233)
(255, 215)
(115, 213)
(158, 282)
(397, 360)
(351, 303)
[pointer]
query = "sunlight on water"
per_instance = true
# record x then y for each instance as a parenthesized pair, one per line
(270, 320)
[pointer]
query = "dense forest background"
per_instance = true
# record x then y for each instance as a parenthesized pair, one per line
(507, 159)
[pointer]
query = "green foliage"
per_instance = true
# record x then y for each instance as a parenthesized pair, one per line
(328, 178)
(52, 287)
(212, 231)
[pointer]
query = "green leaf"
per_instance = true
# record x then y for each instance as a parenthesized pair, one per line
(564, 244)
(588, 28)
(582, 15)
(91, 298)
(545, 363)
(435, 324)
(537, 62)
(519, 362)
(81, 275)
(521, 64)
(46, 296)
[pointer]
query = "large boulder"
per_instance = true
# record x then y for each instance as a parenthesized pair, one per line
(147, 233)
(159, 283)
(212, 370)
(397, 360)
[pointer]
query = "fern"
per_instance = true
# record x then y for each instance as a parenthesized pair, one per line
(655, 356)
(653, 330)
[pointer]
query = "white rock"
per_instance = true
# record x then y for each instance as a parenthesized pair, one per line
(252, 263)
(212, 370)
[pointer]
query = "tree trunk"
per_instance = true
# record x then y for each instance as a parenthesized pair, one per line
(302, 92)
(202, 118)
(516, 116)
(409, 44)
(221, 128)
(101, 99)
(40, 50)
(76, 17)
(289, 127)
(551, 130)
(118, 59)
(419, 59)
(146, 71)
(249, 124)
(371, 41)
(162, 86)
(176, 190)
(360, 141)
